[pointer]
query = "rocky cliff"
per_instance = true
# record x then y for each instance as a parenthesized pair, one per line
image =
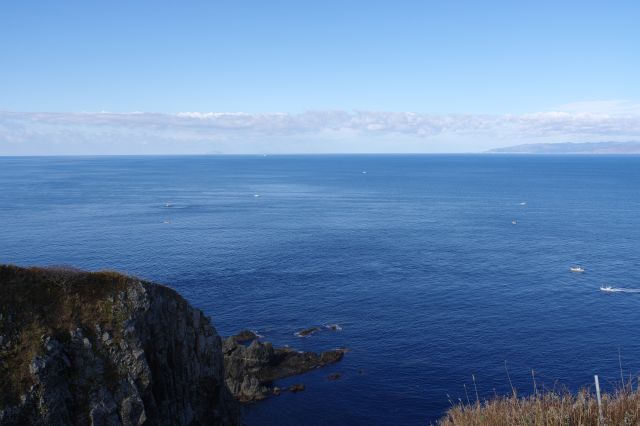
(105, 349)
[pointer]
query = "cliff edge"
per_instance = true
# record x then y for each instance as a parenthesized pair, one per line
(102, 348)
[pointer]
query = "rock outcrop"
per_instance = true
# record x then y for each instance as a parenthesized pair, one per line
(251, 369)
(102, 348)
(307, 331)
(105, 349)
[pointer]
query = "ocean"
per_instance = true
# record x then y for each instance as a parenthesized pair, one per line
(436, 267)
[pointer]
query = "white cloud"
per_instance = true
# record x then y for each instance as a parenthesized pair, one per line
(313, 131)
(607, 107)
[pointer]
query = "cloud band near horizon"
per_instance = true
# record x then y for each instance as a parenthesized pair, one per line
(35, 133)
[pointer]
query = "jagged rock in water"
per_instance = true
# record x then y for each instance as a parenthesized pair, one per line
(307, 331)
(105, 349)
(299, 387)
(334, 376)
(249, 370)
(245, 336)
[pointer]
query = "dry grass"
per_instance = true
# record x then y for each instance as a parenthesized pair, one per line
(549, 408)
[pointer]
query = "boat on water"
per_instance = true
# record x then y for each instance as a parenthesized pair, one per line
(576, 269)
(607, 288)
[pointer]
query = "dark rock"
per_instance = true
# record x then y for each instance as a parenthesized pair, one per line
(287, 362)
(307, 331)
(249, 370)
(296, 388)
(245, 336)
(334, 376)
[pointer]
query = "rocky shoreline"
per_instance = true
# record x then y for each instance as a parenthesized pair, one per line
(101, 348)
(250, 370)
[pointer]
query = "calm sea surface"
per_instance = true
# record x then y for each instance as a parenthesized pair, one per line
(417, 260)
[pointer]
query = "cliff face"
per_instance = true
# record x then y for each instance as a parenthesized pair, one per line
(105, 349)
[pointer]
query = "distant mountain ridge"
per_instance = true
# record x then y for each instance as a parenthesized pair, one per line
(571, 148)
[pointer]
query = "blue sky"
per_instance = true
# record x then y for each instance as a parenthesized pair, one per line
(470, 59)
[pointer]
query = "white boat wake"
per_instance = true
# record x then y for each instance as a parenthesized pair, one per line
(609, 289)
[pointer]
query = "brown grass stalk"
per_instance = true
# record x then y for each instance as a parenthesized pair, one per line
(549, 408)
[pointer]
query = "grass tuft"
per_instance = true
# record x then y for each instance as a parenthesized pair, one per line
(549, 408)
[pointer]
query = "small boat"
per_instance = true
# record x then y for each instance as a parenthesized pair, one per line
(524, 203)
(364, 172)
(514, 222)
(576, 269)
(168, 204)
(256, 195)
(607, 288)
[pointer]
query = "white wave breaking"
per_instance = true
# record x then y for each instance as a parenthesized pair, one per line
(333, 327)
(619, 290)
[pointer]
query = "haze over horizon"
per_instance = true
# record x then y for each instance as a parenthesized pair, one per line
(251, 77)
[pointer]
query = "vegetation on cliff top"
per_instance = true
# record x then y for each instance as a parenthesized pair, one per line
(550, 408)
(38, 302)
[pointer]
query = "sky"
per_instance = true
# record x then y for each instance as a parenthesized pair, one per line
(203, 77)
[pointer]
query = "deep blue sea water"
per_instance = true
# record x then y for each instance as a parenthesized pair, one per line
(417, 259)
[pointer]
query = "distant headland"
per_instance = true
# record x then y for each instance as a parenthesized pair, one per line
(571, 148)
